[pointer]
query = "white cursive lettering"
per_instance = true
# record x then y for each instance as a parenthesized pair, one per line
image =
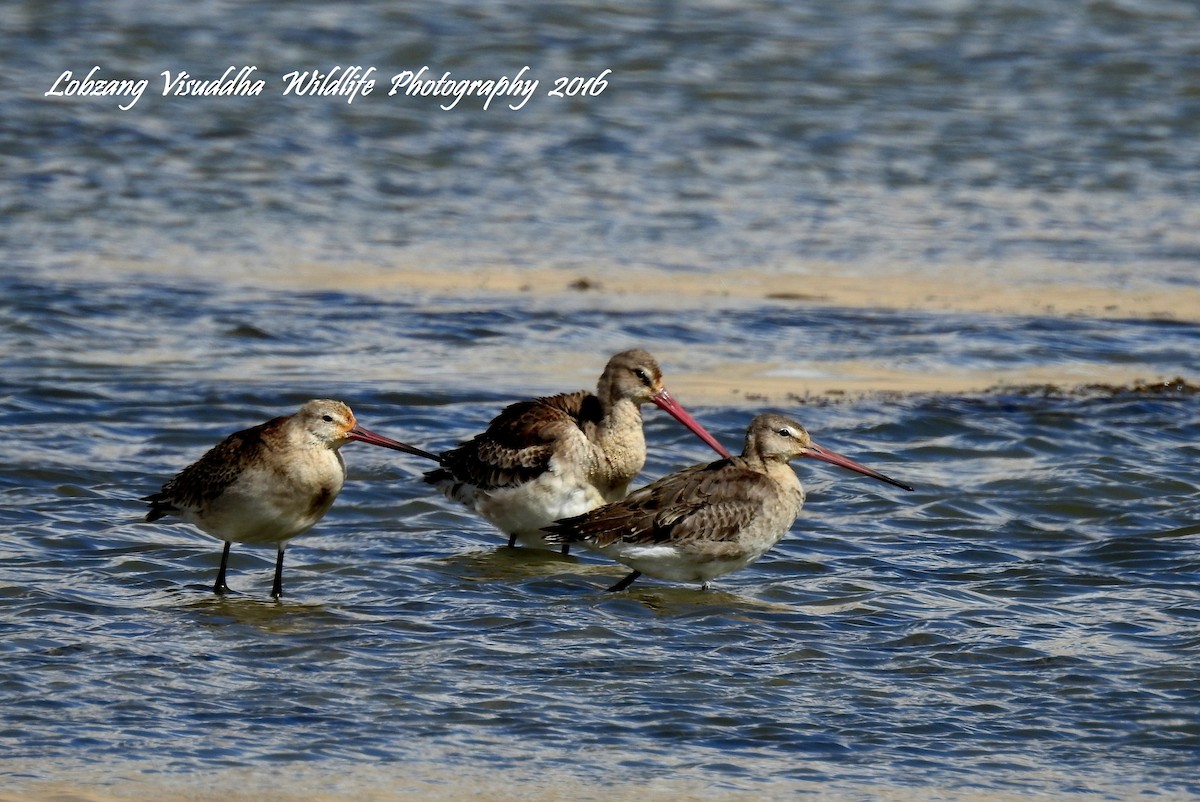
(415, 84)
(352, 83)
(68, 86)
(241, 85)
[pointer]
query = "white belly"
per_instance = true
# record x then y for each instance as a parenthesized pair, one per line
(525, 510)
(682, 565)
(264, 508)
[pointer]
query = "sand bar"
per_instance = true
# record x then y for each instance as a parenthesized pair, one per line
(964, 291)
(1025, 290)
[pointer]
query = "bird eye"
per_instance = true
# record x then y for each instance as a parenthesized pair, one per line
(785, 432)
(642, 375)
(327, 418)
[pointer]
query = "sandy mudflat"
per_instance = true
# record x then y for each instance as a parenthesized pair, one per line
(1027, 290)
(1051, 290)
(367, 786)
(1024, 290)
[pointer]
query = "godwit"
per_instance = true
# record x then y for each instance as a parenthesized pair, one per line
(708, 520)
(555, 457)
(269, 483)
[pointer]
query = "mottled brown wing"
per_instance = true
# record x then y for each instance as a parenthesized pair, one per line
(709, 502)
(207, 477)
(519, 442)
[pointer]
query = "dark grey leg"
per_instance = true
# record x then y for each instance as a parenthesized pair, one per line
(277, 587)
(624, 583)
(219, 586)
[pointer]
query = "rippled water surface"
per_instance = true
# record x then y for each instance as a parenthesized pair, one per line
(1027, 617)
(1026, 621)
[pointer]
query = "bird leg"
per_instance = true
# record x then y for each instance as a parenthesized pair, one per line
(512, 541)
(624, 583)
(566, 549)
(219, 586)
(277, 587)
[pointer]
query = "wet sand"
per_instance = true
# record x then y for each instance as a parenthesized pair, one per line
(1056, 290)
(369, 783)
(1027, 290)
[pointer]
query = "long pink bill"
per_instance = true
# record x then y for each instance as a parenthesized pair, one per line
(817, 452)
(367, 436)
(665, 402)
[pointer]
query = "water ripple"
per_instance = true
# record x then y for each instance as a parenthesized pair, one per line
(1024, 622)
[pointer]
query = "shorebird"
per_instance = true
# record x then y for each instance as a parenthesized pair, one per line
(708, 520)
(268, 483)
(555, 457)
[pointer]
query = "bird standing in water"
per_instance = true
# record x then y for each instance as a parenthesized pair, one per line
(708, 520)
(267, 484)
(564, 455)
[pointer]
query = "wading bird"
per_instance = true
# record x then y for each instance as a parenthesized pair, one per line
(707, 520)
(560, 456)
(267, 484)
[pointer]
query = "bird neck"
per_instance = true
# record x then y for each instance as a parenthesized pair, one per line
(620, 443)
(774, 465)
(782, 471)
(755, 460)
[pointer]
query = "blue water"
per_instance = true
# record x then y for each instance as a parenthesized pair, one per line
(1027, 621)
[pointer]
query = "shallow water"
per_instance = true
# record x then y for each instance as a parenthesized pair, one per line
(1026, 619)
(1025, 622)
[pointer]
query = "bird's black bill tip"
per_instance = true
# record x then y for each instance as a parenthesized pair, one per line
(815, 451)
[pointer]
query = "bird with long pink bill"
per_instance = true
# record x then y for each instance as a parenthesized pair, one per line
(563, 455)
(267, 484)
(708, 520)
